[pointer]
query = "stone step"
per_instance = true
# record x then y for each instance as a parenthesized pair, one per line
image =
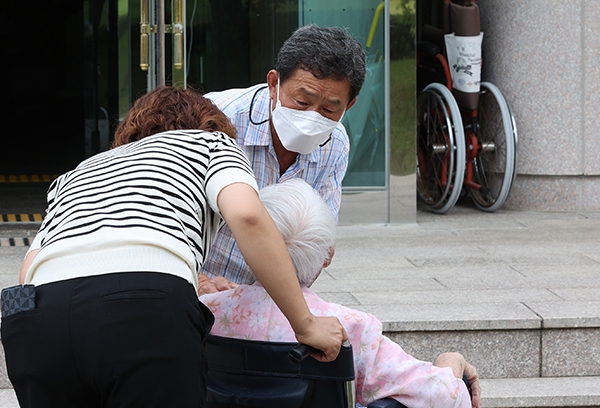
(541, 392)
(500, 347)
(555, 392)
(505, 333)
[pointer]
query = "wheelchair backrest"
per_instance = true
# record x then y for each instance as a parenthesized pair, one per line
(244, 373)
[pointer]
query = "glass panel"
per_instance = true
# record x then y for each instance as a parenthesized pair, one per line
(133, 81)
(402, 111)
(365, 121)
(178, 66)
(402, 86)
(42, 93)
(220, 57)
(95, 72)
(234, 43)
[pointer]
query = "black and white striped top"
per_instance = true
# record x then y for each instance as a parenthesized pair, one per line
(145, 206)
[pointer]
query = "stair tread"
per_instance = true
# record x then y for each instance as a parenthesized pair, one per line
(541, 392)
(498, 393)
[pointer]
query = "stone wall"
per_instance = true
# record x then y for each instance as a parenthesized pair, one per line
(545, 57)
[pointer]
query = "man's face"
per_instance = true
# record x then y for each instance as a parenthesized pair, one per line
(303, 91)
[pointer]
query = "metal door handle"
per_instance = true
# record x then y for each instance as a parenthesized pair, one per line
(144, 35)
(177, 25)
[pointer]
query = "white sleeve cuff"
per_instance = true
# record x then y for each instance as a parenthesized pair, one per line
(224, 178)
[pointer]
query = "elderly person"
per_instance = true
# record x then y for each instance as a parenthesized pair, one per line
(290, 127)
(383, 369)
(110, 314)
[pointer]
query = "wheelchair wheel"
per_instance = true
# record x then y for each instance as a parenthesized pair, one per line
(440, 149)
(494, 165)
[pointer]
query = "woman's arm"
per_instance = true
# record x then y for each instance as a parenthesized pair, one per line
(265, 252)
(26, 264)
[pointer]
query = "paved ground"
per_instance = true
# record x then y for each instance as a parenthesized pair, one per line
(466, 258)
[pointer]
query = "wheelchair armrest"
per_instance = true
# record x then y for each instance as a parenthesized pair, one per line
(428, 48)
(385, 403)
(301, 351)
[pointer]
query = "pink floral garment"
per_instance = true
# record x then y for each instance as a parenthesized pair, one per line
(383, 369)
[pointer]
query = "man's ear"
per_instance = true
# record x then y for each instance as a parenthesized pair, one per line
(272, 77)
(352, 102)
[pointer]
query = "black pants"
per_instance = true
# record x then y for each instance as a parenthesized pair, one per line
(116, 340)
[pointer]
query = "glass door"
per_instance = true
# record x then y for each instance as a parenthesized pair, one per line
(42, 107)
(149, 47)
(163, 42)
(234, 43)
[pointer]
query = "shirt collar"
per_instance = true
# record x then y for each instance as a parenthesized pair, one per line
(259, 135)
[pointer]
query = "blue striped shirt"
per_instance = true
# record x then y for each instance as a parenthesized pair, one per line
(323, 169)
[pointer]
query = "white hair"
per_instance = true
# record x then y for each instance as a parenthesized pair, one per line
(305, 222)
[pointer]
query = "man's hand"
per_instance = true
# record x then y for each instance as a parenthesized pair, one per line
(216, 284)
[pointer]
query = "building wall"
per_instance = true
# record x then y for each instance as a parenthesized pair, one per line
(545, 57)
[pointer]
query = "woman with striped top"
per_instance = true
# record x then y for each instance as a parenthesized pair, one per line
(114, 265)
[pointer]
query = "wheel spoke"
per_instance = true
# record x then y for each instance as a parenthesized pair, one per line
(494, 164)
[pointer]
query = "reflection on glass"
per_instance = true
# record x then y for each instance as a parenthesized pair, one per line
(95, 73)
(365, 121)
(382, 161)
(402, 111)
(402, 86)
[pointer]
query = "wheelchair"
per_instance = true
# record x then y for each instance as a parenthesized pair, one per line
(465, 142)
(247, 373)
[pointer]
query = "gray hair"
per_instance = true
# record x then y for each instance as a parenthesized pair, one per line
(326, 52)
(305, 222)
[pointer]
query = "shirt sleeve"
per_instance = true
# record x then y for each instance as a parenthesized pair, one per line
(384, 369)
(228, 165)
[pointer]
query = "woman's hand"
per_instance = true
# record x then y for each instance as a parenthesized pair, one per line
(460, 366)
(326, 334)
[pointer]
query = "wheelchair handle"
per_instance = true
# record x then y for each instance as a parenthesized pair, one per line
(301, 351)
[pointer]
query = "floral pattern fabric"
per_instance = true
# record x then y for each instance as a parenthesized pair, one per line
(383, 368)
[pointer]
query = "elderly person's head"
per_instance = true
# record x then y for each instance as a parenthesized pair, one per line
(171, 108)
(305, 222)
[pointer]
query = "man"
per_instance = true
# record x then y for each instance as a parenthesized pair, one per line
(290, 127)
(383, 369)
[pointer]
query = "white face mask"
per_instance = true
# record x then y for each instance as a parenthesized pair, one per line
(301, 131)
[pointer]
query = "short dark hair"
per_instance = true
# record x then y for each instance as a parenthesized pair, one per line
(326, 52)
